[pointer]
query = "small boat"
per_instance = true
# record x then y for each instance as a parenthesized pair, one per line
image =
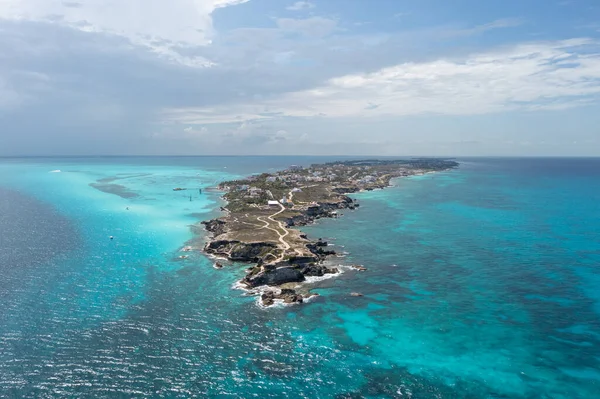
(178, 189)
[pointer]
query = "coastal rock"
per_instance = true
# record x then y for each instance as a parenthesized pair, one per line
(298, 220)
(301, 260)
(359, 268)
(318, 250)
(273, 276)
(287, 295)
(320, 210)
(290, 296)
(215, 226)
(268, 298)
(314, 270)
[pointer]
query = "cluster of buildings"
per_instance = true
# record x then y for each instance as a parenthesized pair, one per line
(295, 176)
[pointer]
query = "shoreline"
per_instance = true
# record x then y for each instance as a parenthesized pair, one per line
(256, 229)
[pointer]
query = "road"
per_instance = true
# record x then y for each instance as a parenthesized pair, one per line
(282, 227)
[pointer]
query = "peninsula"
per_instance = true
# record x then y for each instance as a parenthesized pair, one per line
(263, 210)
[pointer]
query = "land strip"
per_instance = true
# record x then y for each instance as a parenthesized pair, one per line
(264, 210)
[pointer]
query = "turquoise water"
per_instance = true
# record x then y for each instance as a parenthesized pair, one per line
(482, 282)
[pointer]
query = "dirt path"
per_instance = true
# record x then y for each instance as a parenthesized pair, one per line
(281, 227)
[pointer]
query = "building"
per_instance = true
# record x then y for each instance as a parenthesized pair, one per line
(254, 191)
(271, 203)
(271, 179)
(369, 178)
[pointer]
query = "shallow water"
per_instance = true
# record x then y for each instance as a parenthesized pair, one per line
(482, 283)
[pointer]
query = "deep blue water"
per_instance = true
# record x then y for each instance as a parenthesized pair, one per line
(483, 282)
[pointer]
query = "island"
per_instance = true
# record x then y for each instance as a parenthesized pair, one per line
(263, 212)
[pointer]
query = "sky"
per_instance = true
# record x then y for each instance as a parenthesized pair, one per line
(323, 77)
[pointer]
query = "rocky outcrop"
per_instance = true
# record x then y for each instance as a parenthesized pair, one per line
(215, 226)
(321, 210)
(319, 250)
(316, 270)
(287, 295)
(272, 275)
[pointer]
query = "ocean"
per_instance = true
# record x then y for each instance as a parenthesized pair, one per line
(482, 282)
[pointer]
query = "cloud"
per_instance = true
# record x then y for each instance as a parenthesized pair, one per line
(301, 5)
(142, 22)
(499, 23)
(483, 28)
(533, 76)
(9, 97)
(74, 72)
(310, 27)
(281, 135)
(196, 132)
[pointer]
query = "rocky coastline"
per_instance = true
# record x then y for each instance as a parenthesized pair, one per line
(294, 269)
(261, 231)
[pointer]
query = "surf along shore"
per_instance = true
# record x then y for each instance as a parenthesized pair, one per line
(263, 211)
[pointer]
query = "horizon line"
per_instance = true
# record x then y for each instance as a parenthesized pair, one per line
(296, 155)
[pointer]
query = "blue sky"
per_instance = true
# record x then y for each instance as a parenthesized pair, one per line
(379, 77)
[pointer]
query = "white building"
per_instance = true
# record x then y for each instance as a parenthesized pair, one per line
(270, 203)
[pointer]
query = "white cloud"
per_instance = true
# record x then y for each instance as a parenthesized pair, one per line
(497, 24)
(301, 5)
(534, 76)
(311, 27)
(201, 131)
(156, 24)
